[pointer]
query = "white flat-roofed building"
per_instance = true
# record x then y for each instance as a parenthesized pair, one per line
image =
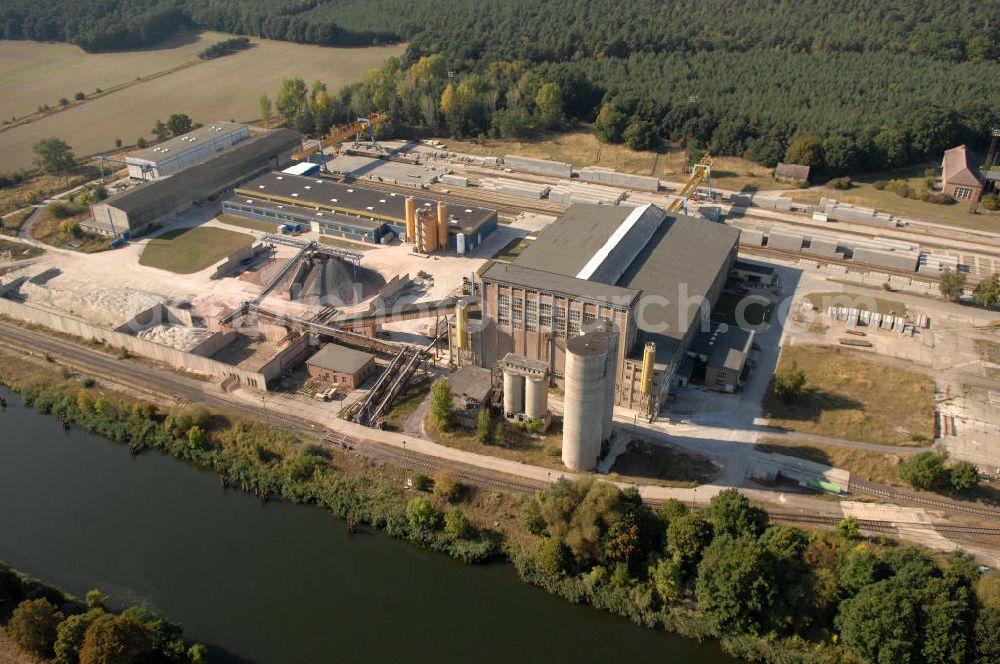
(173, 155)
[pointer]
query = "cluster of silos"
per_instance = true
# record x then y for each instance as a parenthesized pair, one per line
(426, 230)
(525, 388)
(589, 394)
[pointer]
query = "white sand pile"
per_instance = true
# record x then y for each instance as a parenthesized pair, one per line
(102, 306)
(175, 336)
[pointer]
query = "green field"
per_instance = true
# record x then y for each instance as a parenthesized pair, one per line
(863, 464)
(192, 249)
(853, 398)
(226, 88)
(822, 301)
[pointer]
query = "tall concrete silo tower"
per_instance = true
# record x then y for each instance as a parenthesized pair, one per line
(585, 399)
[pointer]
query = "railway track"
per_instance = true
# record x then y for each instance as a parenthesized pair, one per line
(952, 506)
(887, 526)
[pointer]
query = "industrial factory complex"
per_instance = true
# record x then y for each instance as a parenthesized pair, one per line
(564, 301)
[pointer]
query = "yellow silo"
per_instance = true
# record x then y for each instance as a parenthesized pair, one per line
(442, 226)
(462, 325)
(411, 220)
(648, 359)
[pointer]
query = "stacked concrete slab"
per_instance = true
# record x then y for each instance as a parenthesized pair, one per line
(826, 247)
(538, 166)
(900, 260)
(785, 241)
(602, 175)
(454, 180)
(576, 192)
(751, 237)
(516, 187)
(935, 264)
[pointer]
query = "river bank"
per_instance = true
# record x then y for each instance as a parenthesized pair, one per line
(587, 543)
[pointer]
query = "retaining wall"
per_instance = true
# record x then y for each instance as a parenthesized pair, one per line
(169, 356)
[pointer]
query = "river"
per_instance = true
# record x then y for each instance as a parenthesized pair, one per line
(276, 582)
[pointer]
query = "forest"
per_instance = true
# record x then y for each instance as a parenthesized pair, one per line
(870, 86)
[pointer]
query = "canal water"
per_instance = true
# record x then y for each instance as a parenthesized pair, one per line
(275, 583)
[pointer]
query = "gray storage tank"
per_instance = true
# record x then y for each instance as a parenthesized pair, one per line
(513, 393)
(585, 400)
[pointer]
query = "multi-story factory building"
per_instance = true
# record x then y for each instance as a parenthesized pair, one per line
(655, 275)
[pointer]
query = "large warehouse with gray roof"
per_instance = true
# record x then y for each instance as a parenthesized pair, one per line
(656, 275)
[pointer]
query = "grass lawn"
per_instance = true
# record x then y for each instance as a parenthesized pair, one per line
(863, 194)
(405, 406)
(822, 301)
(12, 223)
(251, 224)
(346, 244)
(849, 397)
(192, 249)
(535, 449)
(647, 463)
(581, 148)
(865, 464)
(47, 228)
(512, 249)
(19, 251)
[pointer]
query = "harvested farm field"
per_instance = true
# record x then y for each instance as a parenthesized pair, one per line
(140, 87)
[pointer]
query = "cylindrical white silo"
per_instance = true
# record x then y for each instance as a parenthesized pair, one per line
(536, 398)
(609, 331)
(513, 393)
(584, 402)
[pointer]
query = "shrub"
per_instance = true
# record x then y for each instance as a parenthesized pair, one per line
(531, 516)
(554, 557)
(113, 639)
(879, 184)
(484, 426)
(991, 202)
(70, 635)
(789, 381)
(70, 227)
(840, 183)
(420, 482)
(422, 515)
(456, 524)
(33, 626)
(447, 487)
(79, 96)
(87, 381)
(64, 210)
(938, 198)
(963, 477)
(441, 416)
(924, 471)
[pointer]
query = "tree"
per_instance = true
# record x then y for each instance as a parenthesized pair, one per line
(70, 635)
(859, 569)
(420, 482)
(96, 599)
(141, 143)
(484, 426)
(789, 382)
(891, 146)
(924, 471)
(579, 513)
(531, 518)
(671, 509)
(621, 541)
(456, 525)
(880, 623)
(423, 516)
(988, 636)
(160, 130)
(196, 437)
(549, 106)
(554, 557)
(807, 150)
(668, 579)
(446, 486)
(265, 109)
(79, 96)
(988, 590)
(640, 135)
(33, 626)
(731, 513)
(733, 589)
(610, 124)
(54, 156)
(687, 537)
(848, 528)
(291, 98)
(179, 123)
(115, 640)
(441, 416)
(951, 284)
(963, 476)
(987, 293)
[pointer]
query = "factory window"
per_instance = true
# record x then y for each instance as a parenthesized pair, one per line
(518, 313)
(574, 321)
(545, 316)
(503, 310)
(531, 317)
(606, 313)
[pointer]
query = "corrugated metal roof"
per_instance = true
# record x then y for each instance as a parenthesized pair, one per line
(189, 141)
(792, 171)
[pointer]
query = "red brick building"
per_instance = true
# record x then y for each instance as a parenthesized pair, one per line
(960, 176)
(341, 365)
